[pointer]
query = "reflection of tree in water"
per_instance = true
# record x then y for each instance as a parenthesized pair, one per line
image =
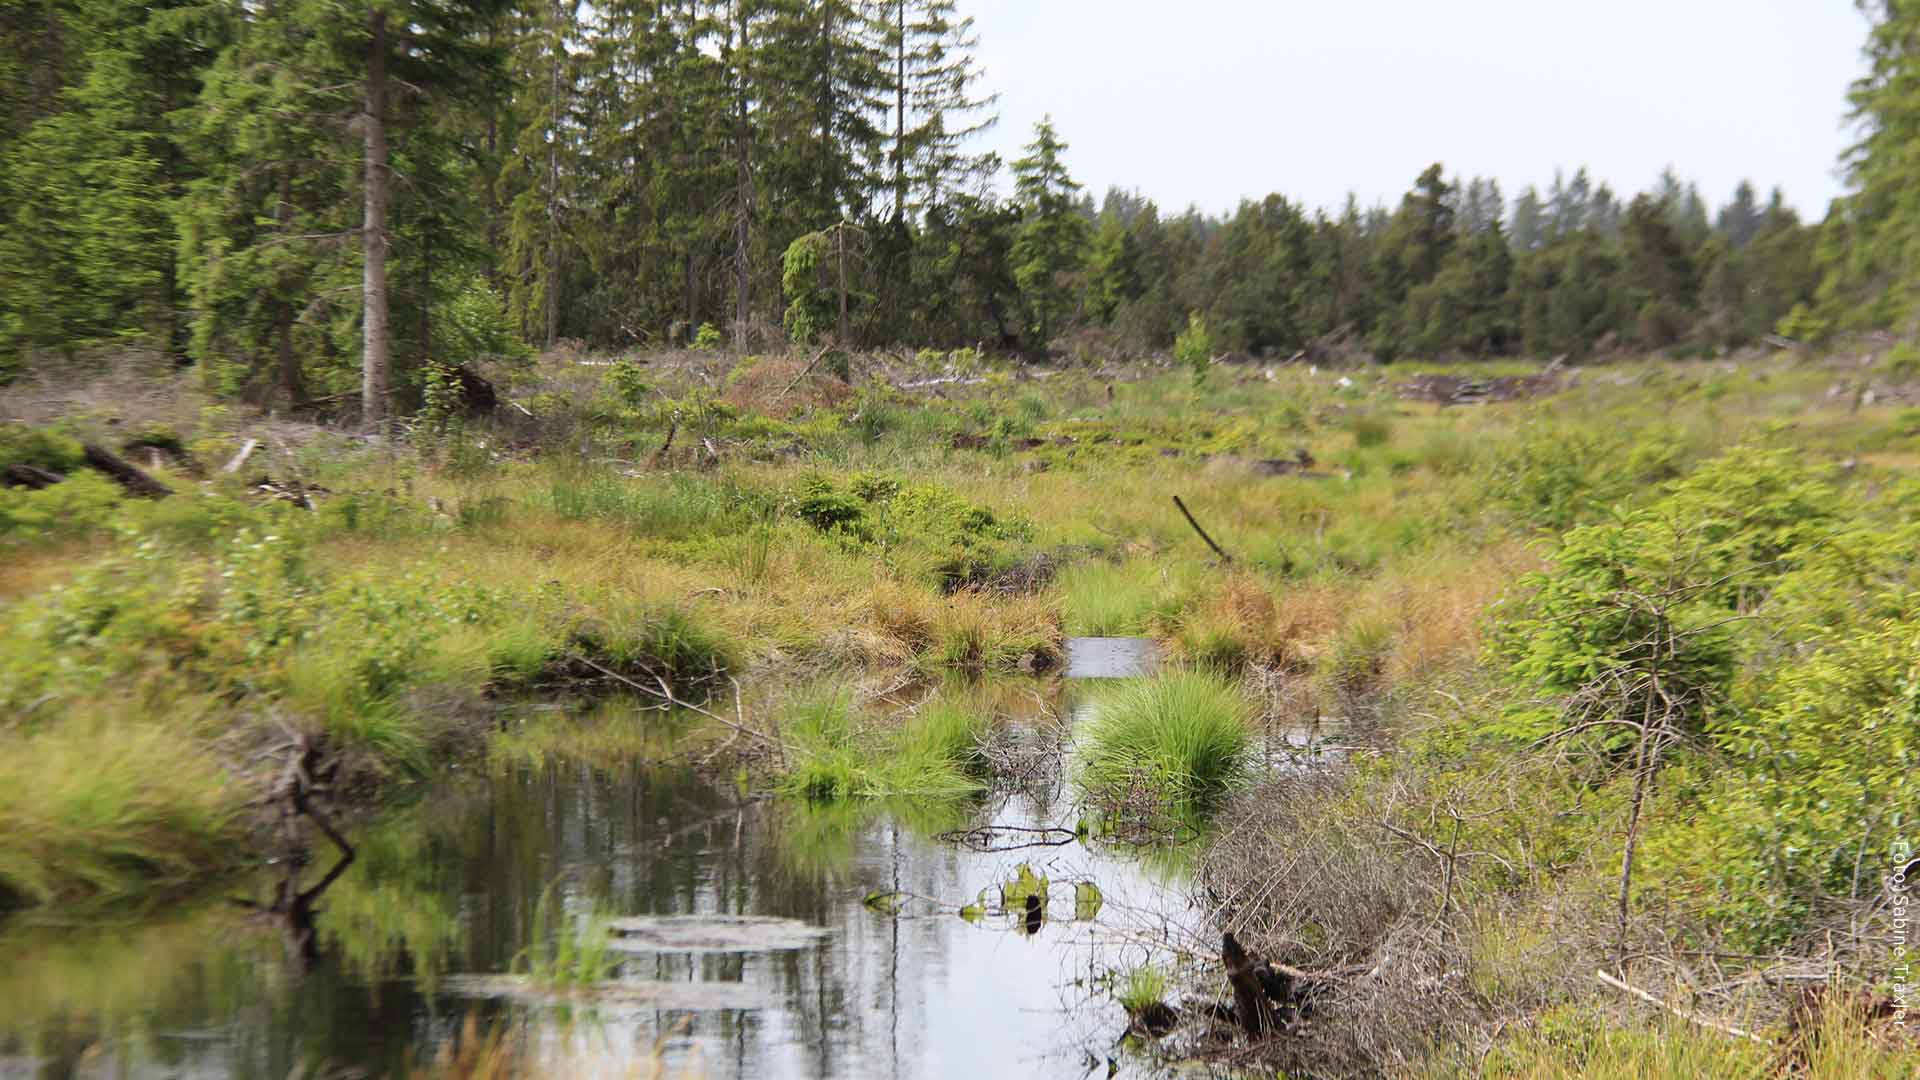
(293, 909)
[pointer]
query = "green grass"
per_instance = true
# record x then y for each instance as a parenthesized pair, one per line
(1142, 987)
(109, 809)
(569, 951)
(1186, 732)
(1577, 1045)
(935, 753)
(1103, 599)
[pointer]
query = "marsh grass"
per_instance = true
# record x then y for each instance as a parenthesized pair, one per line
(569, 950)
(1570, 1043)
(936, 752)
(111, 809)
(1143, 986)
(1105, 599)
(1187, 733)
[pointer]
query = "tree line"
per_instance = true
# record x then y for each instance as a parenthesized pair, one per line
(312, 196)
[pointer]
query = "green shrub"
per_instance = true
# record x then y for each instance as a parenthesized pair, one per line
(42, 448)
(1187, 733)
(86, 502)
(627, 382)
(1903, 362)
(1193, 348)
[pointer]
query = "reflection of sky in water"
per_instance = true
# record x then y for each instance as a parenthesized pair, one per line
(453, 885)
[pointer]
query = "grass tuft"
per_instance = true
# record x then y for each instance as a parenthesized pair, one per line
(110, 810)
(1186, 732)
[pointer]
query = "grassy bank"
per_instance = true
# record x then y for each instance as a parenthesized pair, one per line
(827, 578)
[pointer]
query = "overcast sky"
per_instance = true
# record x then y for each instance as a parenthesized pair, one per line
(1210, 101)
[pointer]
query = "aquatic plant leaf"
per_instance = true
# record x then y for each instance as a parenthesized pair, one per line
(1024, 883)
(973, 913)
(885, 901)
(1087, 900)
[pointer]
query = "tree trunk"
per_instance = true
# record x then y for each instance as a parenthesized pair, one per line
(743, 196)
(553, 186)
(426, 297)
(840, 231)
(291, 382)
(900, 115)
(376, 340)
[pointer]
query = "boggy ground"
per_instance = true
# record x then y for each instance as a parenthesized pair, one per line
(1651, 600)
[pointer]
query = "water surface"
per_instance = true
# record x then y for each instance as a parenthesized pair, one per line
(456, 886)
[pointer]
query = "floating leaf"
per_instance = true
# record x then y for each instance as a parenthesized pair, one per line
(885, 901)
(1024, 883)
(973, 913)
(1086, 900)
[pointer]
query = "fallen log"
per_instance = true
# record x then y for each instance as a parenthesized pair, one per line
(29, 476)
(239, 459)
(124, 473)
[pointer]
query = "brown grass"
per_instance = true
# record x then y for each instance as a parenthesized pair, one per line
(764, 387)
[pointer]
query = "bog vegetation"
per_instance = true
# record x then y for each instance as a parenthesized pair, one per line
(1590, 523)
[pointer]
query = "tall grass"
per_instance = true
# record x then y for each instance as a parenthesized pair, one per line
(1102, 599)
(1185, 732)
(109, 809)
(937, 752)
(1142, 987)
(1569, 1045)
(569, 951)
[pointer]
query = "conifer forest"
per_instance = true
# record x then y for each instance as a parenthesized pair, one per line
(625, 539)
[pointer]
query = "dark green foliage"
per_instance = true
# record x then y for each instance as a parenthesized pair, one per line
(1051, 243)
(192, 175)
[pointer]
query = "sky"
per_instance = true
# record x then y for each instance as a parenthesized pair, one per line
(1211, 101)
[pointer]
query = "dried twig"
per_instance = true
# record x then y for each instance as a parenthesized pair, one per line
(1690, 1017)
(804, 372)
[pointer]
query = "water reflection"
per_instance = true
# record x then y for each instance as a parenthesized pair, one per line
(455, 884)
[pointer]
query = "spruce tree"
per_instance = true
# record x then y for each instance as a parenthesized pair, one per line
(1051, 244)
(86, 238)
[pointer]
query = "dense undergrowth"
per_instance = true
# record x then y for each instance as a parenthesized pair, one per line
(1686, 589)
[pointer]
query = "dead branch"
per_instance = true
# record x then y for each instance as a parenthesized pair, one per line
(1689, 1017)
(1217, 550)
(804, 372)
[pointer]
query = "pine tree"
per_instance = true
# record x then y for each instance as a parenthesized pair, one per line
(1657, 273)
(540, 163)
(366, 81)
(1481, 206)
(936, 108)
(1410, 255)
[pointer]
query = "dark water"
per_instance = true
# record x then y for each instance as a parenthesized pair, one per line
(461, 882)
